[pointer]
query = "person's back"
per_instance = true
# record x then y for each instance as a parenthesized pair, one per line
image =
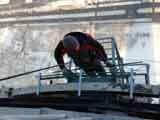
(83, 38)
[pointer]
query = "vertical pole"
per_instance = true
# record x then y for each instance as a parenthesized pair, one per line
(113, 61)
(70, 64)
(39, 85)
(147, 76)
(97, 5)
(79, 83)
(131, 85)
(113, 52)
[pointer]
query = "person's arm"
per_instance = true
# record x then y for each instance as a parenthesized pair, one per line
(59, 53)
(101, 52)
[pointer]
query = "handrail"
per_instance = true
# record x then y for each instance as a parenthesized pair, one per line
(26, 73)
(33, 71)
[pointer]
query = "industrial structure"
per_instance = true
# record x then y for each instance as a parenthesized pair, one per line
(29, 14)
(118, 90)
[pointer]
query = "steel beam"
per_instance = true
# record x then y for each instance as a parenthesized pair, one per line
(80, 15)
(80, 11)
(81, 19)
(9, 7)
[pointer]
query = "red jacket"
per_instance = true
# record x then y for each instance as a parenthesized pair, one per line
(90, 50)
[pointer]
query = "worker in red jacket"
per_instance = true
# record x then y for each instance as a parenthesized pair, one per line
(85, 51)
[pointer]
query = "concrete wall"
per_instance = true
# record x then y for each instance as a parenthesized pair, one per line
(156, 49)
(17, 1)
(4, 1)
(136, 42)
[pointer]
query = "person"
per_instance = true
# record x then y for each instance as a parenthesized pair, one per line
(86, 52)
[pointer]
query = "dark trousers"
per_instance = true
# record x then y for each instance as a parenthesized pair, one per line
(94, 68)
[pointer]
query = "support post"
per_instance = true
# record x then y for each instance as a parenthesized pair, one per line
(113, 52)
(113, 70)
(70, 64)
(79, 83)
(131, 85)
(147, 76)
(39, 84)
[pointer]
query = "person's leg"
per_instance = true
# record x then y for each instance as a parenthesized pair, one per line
(89, 70)
(99, 68)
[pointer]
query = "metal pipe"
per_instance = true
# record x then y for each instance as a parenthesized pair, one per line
(26, 73)
(131, 85)
(39, 84)
(79, 83)
(147, 76)
(70, 64)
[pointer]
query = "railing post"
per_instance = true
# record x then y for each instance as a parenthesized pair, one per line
(131, 87)
(113, 52)
(70, 64)
(113, 61)
(79, 83)
(147, 76)
(39, 84)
